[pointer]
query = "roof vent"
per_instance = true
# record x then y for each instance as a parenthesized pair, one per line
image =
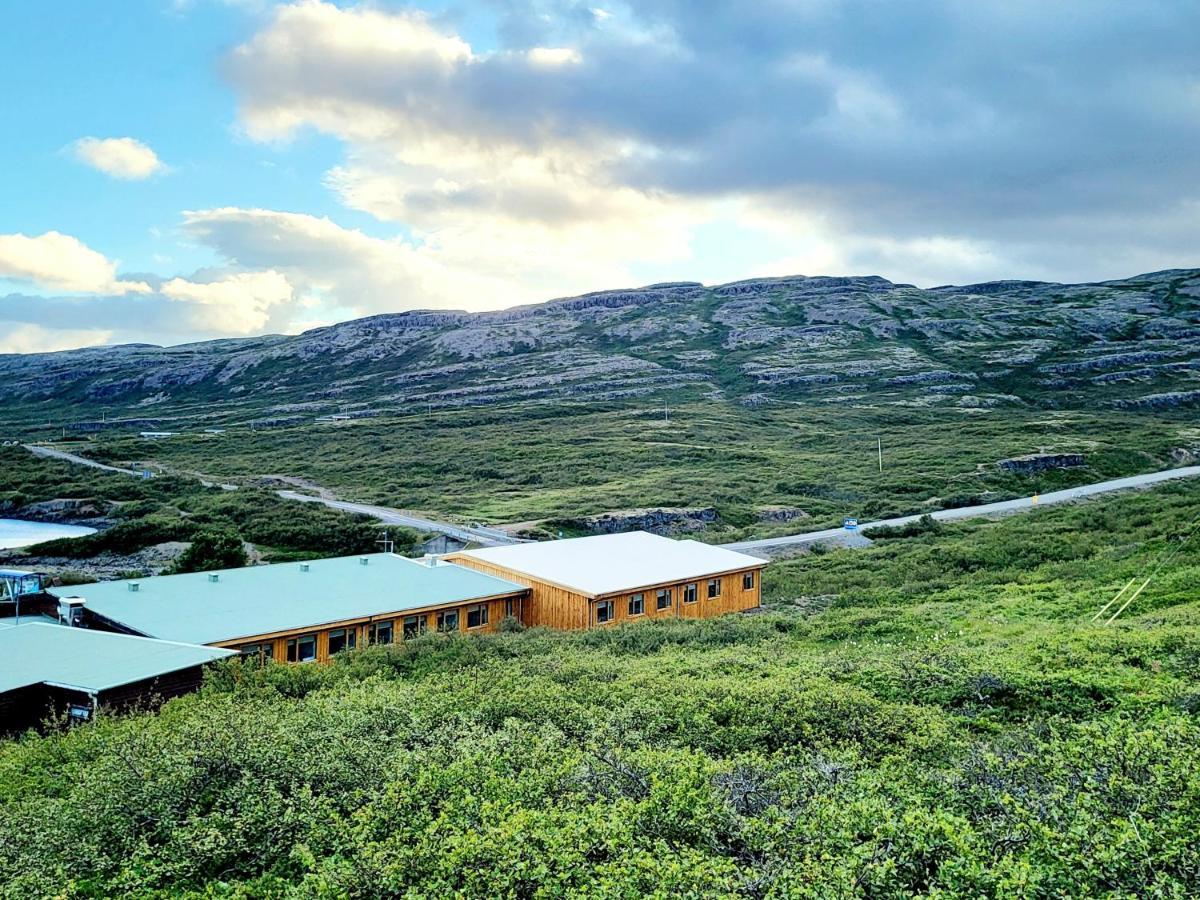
(362, 560)
(213, 576)
(70, 610)
(303, 567)
(133, 586)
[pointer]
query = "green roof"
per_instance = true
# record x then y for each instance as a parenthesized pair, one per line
(255, 600)
(35, 652)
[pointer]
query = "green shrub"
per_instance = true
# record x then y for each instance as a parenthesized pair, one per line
(945, 722)
(927, 524)
(211, 549)
(125, 537)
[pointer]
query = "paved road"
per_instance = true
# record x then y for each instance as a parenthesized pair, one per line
(51, 453)
(970, 512)
(488, 537)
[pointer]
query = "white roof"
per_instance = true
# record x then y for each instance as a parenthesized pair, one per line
(614, 563)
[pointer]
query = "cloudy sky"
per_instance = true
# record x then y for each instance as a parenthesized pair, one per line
(172, 170)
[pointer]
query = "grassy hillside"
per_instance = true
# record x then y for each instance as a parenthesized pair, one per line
(934, 716)
(840, 341)
(744, 397)
(515, 464)
(139, 513)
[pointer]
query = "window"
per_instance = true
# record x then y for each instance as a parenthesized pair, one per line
(637, 604)
(747, 581)
(604, 612)
(414, 626)
(477, 616)
(448, 620)
(689, 593)
(342, 639)
(302, 649)
(663, 598)
(259, 653)
(510, 608)
(381, 632)
(714, 588)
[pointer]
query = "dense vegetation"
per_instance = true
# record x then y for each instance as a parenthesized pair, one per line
(211, 550)
(935, 715)
(174, 508)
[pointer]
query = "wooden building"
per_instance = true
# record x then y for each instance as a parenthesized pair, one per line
(306, 611)
(55, 671)
(597, 581)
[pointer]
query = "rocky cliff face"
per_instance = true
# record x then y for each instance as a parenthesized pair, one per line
(1133, 343)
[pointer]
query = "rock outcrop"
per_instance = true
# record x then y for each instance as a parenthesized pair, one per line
(841, 340)
(657, 521)
(1040, 462)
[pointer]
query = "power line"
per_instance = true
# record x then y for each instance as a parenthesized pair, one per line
(1168, 554)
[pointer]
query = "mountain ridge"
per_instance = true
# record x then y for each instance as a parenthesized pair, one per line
(791, 338)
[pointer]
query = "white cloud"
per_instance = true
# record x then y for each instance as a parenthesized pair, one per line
(59, 261)
(642, 142)
(554, 56)
(486, 263)
(814, 245)
(592, 145)
(396, 49)
(338, 272)
(29, 338)
(495, 218)
(124, 158)
(237, 303)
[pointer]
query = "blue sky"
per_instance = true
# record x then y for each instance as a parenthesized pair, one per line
(176, 170)
(149, 69)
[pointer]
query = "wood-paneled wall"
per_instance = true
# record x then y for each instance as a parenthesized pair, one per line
(548, 605)
(552, 606)
(361, 627)
(734, 597)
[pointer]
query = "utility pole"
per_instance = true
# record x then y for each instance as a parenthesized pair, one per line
(879, 446)
(386, 541)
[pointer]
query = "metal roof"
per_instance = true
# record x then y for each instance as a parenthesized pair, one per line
(35, 652)
(615, 563)
(256, 600)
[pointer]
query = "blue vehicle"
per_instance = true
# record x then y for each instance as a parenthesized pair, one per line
(850, 523)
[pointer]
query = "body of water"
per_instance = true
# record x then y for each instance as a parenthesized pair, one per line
(18, 533)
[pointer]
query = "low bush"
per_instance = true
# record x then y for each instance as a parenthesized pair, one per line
(927, 524)
(212, 549)
(946, 722)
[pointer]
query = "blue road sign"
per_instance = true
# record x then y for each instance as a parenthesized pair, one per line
(850, 524)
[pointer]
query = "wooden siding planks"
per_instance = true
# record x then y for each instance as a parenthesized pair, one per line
(548, 605)
(554, 606)
(278, 642)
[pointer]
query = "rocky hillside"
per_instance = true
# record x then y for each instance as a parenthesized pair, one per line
(1133, 343)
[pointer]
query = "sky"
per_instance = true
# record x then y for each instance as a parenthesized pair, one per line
(181, 170)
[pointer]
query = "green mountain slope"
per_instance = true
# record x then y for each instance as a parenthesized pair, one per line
(1133, 343)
